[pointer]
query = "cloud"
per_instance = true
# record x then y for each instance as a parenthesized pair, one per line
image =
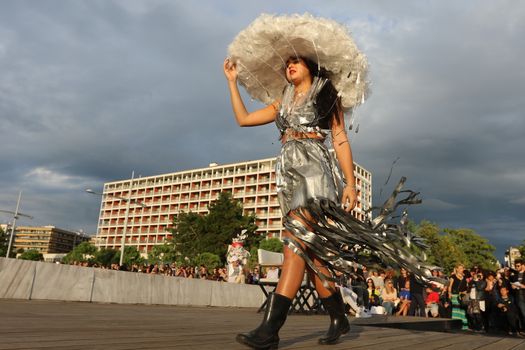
(437, 204)
(41, 177)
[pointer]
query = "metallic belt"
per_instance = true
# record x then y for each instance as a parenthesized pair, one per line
(291, 134)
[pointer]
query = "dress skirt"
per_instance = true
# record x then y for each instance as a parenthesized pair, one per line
(309, 185)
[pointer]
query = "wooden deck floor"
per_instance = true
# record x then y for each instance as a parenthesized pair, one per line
(69, 325)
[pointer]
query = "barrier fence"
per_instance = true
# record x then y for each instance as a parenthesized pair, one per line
(34, 280)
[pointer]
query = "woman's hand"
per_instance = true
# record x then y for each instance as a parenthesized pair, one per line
(349, 198)
(230, 70)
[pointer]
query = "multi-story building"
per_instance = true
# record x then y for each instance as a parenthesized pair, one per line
(511, 255)
(163, 197)
(47, 239)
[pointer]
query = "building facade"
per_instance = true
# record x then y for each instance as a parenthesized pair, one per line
(511, 255)
(163, 197)
(47, 239)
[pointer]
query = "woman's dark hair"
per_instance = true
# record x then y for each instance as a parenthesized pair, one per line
(327, 103)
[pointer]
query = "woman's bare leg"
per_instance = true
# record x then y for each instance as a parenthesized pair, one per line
(322, 291)
(292, 272)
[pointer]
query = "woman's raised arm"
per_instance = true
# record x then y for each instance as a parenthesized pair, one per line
(244, 118)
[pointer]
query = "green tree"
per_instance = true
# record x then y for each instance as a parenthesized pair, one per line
(209, 260)
(521, 248)
(477, 250)
(442, 252)
(272, 245)
(162, 254)
(188, 230)
(131, 256)
(449, 247)
(253, 260)
(106, 257)
(4, 242)
(194, 234)
(31, 254)
(85, 251)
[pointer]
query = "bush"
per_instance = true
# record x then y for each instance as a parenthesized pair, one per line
(209, 260)
(272, 245)
(32, 254)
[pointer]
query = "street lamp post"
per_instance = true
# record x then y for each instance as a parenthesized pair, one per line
(16, 214)
(126, 217)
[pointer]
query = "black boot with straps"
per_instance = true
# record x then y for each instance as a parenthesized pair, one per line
(266, 335)
(339, 324)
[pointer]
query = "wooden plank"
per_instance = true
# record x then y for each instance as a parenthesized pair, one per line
(69, 325)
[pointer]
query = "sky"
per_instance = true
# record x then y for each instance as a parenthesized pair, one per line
(93, 90)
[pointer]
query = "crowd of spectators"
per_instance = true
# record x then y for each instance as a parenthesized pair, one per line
(484, 301)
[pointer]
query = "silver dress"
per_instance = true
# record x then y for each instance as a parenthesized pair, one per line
(309, 181)
(305, 169)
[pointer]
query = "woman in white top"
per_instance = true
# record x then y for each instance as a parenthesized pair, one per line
(389, 297)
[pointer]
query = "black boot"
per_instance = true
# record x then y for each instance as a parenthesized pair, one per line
(339, 324)
(265, 336)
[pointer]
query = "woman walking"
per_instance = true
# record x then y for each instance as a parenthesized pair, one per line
(309, 72)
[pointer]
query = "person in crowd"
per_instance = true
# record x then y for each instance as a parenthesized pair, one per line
(401, 279)
(457, 290)
(491, 296)
(254, 276)
(404, 298)
(358, 285)
(181, 272)
(223, 274)
(389, 296)
(476, 304)
(365, 272)
(379, 283)
(508, 310)
(504, 278)
(445, 304)
(203, 272)
(234, 270)
(432, 302)
(417, 304)
(373, 295)
(272, 273)
(518, 287)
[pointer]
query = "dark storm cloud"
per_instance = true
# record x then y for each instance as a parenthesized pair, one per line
(91, 90)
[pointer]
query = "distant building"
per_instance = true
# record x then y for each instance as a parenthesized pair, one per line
(167, 195)
(47, 239)
(511, 255)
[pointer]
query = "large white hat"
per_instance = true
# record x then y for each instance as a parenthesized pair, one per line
(261, 50)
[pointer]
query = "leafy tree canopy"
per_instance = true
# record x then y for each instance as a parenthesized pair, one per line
(131, 256)
(4, 243)
(83, 252)
(194, 234)
(31, 254)
(272, 245)
(209, 260)
(521, 248)
(106, 257)
(162, 254)
(449, 247)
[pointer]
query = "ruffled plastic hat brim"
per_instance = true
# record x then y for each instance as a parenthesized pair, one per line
(260, 52)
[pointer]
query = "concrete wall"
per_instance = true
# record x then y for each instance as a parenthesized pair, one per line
(21, 279)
